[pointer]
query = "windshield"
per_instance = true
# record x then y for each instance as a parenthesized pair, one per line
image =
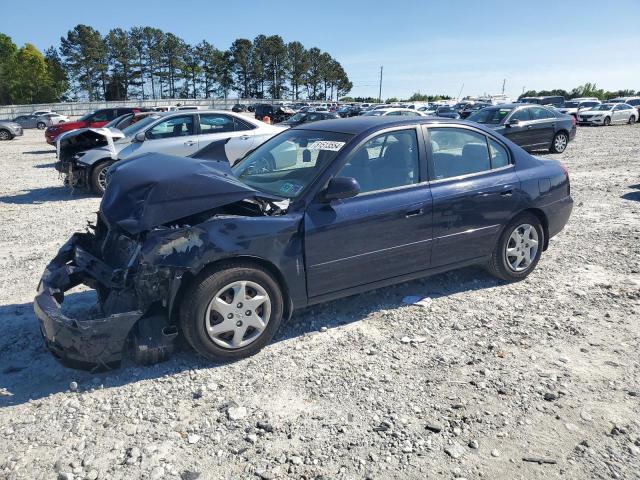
(492, 116)
(114, 123)
(298, 117)
(134, 128)
(86, 116)
(287, 163)
(373, 113)
(604, 106)
(571, 104)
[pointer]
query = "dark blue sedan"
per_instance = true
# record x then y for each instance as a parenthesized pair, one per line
(222, 255)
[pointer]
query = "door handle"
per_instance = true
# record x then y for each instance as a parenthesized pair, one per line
(189, 143)
(414, 213)
(245, 137)
(506, 193)
(529, 127)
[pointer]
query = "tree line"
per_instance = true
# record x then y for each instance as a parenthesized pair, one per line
(148, 63)
(586, 90)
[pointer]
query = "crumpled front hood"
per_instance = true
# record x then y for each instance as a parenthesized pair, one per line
(154, 189)
(74, 141)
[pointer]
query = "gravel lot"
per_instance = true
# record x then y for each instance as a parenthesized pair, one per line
(366, 387)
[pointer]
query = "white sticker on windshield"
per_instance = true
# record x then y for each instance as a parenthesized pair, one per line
(326, 145)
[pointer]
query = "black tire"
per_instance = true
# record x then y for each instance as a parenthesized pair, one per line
(632, 120)
(607, 121)
(201, 292)
(557, 146)
(5, 135)
(498, 265)
(97, 176)
(41, 126)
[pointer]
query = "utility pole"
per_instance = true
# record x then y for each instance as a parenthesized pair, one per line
(380, 90)
(460, 93)
(504, 82)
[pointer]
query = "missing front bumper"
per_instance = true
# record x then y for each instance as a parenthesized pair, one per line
(83, 343)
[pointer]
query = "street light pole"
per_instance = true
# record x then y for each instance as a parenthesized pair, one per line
(380, 90)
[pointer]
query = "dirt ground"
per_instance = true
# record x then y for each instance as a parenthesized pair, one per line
(537, 379)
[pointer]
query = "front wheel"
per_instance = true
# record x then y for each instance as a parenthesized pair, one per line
(231, 313)
(99, 177)
(41, 126)
(632, 120)
(5, 135)
(607, 121)
(559, 143)
(518, 249)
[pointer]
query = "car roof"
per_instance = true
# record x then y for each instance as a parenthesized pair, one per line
(362, 124)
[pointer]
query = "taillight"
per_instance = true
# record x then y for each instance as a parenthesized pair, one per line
(573, 119)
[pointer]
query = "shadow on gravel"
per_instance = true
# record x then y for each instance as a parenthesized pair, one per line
(29, 372)
(635, 196)
(39, 152)
(46, 194)
(45, 165)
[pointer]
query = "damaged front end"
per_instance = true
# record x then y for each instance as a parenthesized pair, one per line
(130, 302)
(152, 230)
(73, 145)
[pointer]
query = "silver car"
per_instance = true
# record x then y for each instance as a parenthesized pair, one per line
(179, 133)
(34, 121)
(9, 130)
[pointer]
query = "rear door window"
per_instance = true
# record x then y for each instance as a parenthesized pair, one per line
(539, 113)
(457, 151)
(215, 123)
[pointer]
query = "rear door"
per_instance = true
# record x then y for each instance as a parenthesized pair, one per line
(543, 123)
(383, 232)
(217, 126)
(475, 192)
(175, 135)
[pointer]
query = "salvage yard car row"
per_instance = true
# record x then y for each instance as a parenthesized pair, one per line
(217, 226)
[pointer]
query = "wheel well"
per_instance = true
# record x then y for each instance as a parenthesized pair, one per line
(188, 278)
(543, 221)
(562, 130)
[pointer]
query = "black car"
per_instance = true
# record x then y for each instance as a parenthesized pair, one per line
(238, 107)
(223, 256)
(308, 117)
(276, 113)
(447, 111)
(533, 127)
(472, 108)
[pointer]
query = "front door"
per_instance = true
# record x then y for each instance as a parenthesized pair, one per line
(517, 128)
(383, 232)
(475, 193)
(173, 136)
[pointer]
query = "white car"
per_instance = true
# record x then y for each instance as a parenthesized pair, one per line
(384, 112)
(608, 113)
(575, 106)
(171, 133)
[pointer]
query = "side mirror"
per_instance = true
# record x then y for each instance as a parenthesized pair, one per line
(340, 188)
(140, 137)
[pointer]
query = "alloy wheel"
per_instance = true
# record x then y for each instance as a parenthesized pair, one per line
(560, 143)
(102, 178)
(522, 247)
(4, 135)
(238, 314)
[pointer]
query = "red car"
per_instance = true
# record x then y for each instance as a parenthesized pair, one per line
(99, 118)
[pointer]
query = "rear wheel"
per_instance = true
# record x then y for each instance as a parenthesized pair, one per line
(559, 143)
(518, 249)
(99, 177)
(607, 121)
(231, 313)
(41, 126)
(5, 135)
